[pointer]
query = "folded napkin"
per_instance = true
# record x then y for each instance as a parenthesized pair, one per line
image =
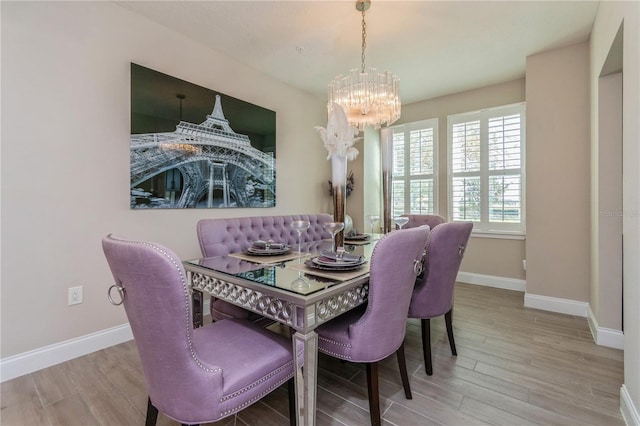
(268, 245)
(346, 257)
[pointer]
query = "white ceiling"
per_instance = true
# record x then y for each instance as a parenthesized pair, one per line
(434, 47)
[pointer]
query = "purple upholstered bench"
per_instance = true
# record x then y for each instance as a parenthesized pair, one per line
(219, 237)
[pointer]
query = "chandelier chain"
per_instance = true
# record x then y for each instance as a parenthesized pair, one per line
(368, 97)
(364, 38)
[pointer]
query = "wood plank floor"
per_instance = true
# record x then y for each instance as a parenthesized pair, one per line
(515, 366)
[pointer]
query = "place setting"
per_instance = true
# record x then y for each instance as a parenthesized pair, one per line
(356, 238)
(337, 263)
(267, 248)
(266, 252)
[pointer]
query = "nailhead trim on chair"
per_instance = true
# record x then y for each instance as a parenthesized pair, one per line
(187, 304)
(256, 398)
(240, 407)
(346, 345)
(256, 383)
(335, 354)
(372, 255)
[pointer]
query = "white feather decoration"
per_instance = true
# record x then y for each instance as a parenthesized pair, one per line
(339, 136)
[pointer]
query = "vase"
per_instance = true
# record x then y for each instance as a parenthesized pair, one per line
(386, 140)
(348, 224)
(339, 189)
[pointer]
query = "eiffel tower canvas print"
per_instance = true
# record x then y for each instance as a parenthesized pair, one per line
(192, 147)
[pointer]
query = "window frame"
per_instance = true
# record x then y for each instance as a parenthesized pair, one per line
(407, 178)
(484, 227)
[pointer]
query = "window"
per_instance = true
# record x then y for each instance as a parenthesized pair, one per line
(414, 168)
(486, 168)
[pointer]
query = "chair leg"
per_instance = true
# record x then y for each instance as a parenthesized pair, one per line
(374, 393)
(426, 345)
(291, 388)
(402, 365)
(449, 323)
(196, 307)
(152, 414)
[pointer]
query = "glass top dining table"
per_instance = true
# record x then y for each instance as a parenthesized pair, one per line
(271, 286)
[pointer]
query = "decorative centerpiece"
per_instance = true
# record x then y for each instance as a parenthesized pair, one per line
(339, 137)
(351, 182)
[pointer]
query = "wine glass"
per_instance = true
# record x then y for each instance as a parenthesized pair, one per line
(333, 228)
(300, 282)
(373, 218)
(401, 221)
(299, 226)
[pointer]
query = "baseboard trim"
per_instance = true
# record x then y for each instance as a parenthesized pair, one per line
(492, 281)
(627, 409)
(556, 304)
(28, 362)
(604, 336)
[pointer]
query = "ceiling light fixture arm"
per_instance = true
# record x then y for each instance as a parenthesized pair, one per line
(368, 97)
(363, 6)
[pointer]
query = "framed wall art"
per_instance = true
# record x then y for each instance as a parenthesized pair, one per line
(192, 147)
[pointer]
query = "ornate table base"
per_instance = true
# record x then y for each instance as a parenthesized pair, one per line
(303, 313)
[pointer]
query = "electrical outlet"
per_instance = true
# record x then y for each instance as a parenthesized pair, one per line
(524, 264)
(75, 295)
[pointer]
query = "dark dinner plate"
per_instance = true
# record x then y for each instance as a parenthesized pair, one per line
(335, 268)
(336, 263)
(267, 252)
(312, 263)
(357, 237)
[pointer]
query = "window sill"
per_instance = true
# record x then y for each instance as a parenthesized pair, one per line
(502, 235)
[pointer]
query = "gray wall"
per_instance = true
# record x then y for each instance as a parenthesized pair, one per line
(611, 15)
(558, 185)
(65, 157)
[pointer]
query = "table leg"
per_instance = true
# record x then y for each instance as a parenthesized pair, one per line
(306, 376)
(197, 308)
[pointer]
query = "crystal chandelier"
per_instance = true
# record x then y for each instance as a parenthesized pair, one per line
(369, 97)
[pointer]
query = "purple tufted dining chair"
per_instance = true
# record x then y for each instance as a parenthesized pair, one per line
(376, 330)
(433, 293)
(416, 220)
(193, 375)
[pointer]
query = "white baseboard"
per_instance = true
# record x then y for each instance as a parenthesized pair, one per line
(37, 359)
(545, 303)
(605, 336)
(28, 362)
(627, 409)
(556, 304)
(492, 281)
